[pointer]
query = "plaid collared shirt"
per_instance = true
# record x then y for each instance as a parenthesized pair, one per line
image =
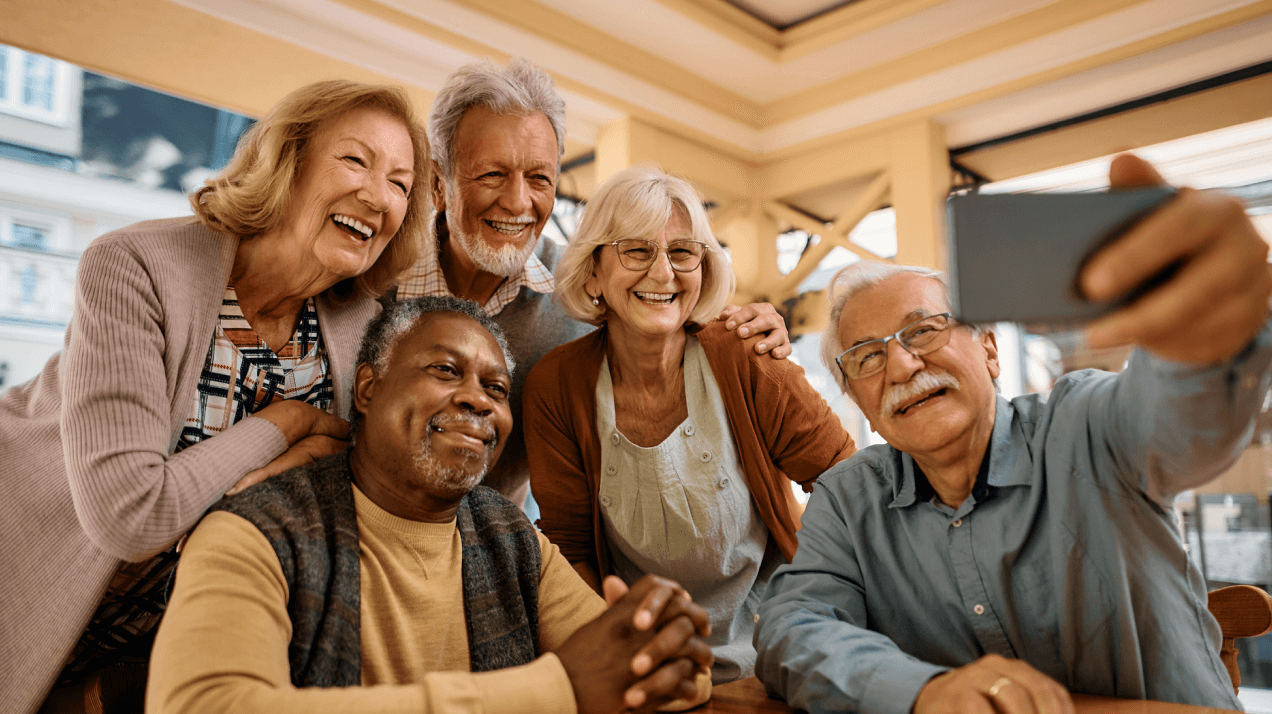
(241, 376)
(425, 278)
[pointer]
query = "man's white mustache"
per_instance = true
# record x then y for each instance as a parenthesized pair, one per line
(929, 380)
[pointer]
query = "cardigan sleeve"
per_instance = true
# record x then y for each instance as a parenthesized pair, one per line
(804, 437)
(558, 472)
(131, 497)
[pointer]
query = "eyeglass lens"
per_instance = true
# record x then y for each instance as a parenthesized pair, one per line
(920, 338)
(636, 254)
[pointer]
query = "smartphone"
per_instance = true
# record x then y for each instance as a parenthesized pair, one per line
(1016, 257)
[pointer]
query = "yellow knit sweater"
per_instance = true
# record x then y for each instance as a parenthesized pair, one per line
(223, 642)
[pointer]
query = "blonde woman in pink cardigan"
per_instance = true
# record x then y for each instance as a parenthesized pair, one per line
(204, 354)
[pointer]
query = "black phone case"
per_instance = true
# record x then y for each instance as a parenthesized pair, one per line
(1016, 257)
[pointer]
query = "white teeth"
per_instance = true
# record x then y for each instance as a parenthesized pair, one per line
(661, 298)
(355, 224)
(511, 227)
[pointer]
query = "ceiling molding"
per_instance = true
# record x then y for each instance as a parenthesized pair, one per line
(732, 22)
(558, 27)
(865, 115)
(844, 23)
(1229, 105)
(1011, 32)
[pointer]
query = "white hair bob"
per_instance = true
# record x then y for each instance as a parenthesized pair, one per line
(637, 202)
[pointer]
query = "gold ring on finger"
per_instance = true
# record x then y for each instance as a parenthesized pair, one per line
(998, 685)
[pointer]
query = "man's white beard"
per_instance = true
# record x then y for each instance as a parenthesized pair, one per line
(451, 481)
(505, 261)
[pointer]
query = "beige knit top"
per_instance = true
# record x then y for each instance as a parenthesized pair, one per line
(86, 447)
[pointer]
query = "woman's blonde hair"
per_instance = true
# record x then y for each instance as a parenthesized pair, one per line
(637, 202)
(249, 196)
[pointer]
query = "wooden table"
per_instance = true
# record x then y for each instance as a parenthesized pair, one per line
(747, 697)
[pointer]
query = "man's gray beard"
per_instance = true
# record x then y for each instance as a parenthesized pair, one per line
(506, 261)
(928, 380)
(450, 481)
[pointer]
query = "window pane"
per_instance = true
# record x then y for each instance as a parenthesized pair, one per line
(4, 73)
(37, 82)
(30, 237)
(27, 282)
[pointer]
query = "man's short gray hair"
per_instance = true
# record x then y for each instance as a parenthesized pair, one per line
(399, 318)
(518, 88)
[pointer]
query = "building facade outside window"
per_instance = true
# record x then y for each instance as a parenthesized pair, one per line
(33, 86)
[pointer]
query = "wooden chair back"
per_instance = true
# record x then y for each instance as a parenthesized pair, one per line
(1242, 611)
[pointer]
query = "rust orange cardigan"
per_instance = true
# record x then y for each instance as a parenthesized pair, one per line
(782, 429)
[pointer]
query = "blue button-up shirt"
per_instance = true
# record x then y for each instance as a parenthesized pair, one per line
(1066, 555)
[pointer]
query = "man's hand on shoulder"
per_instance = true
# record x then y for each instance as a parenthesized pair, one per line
(993, 685)
(761, 326)
(1217, 300)
(644, 651)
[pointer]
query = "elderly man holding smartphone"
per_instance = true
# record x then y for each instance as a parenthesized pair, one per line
(996, 554)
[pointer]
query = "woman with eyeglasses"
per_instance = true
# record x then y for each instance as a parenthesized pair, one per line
(659, 444)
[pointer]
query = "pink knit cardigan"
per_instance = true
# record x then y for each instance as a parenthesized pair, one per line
(86, 448)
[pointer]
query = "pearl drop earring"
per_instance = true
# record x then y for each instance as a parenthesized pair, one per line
(596, 301)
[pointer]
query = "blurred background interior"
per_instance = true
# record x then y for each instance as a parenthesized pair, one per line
(820, 131)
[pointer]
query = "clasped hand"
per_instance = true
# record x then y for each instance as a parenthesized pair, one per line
(644, 651)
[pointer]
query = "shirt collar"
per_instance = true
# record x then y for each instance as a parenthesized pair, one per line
(426, 276)
(998, 466)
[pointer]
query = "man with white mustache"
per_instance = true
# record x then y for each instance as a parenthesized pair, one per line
(384, 579)
(995, 555)
(497, 133)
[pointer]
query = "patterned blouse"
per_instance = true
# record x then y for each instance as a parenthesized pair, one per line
(241, 376)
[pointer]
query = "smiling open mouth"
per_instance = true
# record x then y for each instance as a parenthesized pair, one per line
(656, 298)
(938, 393)
(353, 227)
(925, 400)
(508, 228)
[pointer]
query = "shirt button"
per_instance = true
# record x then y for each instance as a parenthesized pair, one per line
(704, 457)
(956, 522)
(979, 609)
(688, 430)
(610, 470)
(614, 439)
(723, 482)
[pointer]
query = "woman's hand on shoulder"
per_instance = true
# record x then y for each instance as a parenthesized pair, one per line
(306, 451)
(760, 325)
(297, 420)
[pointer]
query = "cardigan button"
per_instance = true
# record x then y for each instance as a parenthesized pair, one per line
(605, 501)
(704, 457)
(688, 430)
(724, 481)
(610, 469)
(614, 438)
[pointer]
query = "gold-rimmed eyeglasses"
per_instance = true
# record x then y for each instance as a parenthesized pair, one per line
(917, 338)
(639, 254)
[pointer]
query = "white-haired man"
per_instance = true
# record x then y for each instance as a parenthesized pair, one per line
(497, 134)
(996, 554)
